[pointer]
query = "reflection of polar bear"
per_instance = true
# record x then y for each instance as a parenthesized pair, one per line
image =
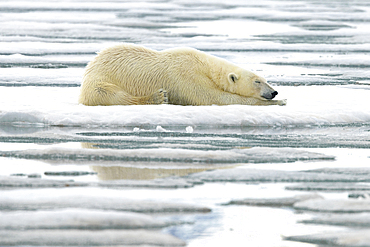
(134, 75)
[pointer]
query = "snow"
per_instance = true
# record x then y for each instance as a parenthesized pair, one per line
(306, 106)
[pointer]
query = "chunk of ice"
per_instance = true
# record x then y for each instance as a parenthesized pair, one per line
(77, 219)
(275, 202)
(348, 220)
(256, 175)
(337, 186)
(88, 238)
(169, 183)
(15, 182)
(96, 202)
(345, 239)
(335, 205)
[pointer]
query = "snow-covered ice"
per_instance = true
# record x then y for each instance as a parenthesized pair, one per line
(275, 202)
(259, 175)
(327, 186)
(78, 219)
(353, 220)
(15, 182)
(352, 238)
(88, 238)
(324, 105)
(335, 205)
(19, 182)
(92, 168)
(10, 202)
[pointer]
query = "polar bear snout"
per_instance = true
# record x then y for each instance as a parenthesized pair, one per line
(274, 94)
(270, 95)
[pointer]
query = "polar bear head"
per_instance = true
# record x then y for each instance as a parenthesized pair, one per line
(248, 84)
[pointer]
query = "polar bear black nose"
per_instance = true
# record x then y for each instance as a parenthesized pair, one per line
(274, 94)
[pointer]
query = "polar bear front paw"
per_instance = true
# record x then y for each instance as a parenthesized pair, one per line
(282, 102)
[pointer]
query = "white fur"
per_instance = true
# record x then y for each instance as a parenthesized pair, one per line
(130, 74)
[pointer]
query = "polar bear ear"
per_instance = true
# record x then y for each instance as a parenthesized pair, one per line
(232, 77)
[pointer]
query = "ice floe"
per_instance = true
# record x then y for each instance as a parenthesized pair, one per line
(275, 202)
(348, 170)
(351, 238)
(330, 187)
(26, 105)
(168, 183)
(349, 220)
(18, 77)
(88, 238)
(16, 182)
(261, 176)
(96, 202)
(78, 219)
(335, 205)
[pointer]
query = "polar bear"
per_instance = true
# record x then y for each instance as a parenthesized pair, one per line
(134, 75)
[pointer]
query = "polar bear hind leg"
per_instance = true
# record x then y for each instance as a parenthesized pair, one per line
(110, 94)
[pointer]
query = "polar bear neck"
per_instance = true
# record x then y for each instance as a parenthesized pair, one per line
(219, 69)
(213, 68)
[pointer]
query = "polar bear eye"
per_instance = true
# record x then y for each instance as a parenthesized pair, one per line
(257, 82)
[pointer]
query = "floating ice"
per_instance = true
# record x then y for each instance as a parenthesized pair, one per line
(352, 238)
(330, 187)
(18, 77)
(15, 182)
(330, 106)
(77, 219)
(88, 238)
(349, 220)
(346, 171)
(335, 205)
(168, 183)
(275, 202)
(45, 62)
(69, 173)
(55, 201)
(189, 129)
(255, 175)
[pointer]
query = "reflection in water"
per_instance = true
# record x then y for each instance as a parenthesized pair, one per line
(141, 171)
(122, 172)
